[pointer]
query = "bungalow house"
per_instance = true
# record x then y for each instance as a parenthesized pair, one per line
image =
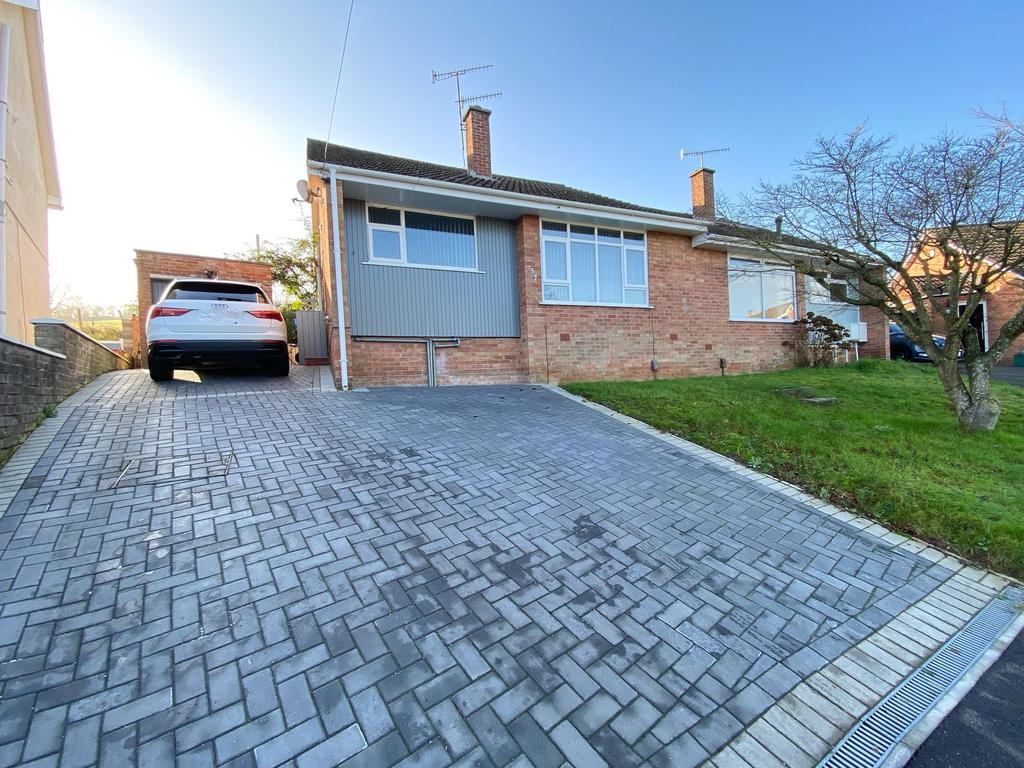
(441, 275)
(1003, 297)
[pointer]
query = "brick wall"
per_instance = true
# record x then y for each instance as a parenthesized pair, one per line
(149, 264)
(687, 329)
(33, 377)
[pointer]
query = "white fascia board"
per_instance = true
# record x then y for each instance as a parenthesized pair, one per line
(741, 245)
(540, 204)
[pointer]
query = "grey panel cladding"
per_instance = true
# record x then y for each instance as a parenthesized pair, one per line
(406, 301)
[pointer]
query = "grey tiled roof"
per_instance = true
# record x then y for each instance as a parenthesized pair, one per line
(729, 228)
(375, 161)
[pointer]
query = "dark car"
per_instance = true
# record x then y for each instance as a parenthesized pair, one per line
(902, 347)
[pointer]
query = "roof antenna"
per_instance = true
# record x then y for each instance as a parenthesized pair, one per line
(685, 153)
(460, 100)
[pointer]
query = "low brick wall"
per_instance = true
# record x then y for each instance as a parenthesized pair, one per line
(34, 377)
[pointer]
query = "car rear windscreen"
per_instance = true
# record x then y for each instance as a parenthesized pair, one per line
(199, 291)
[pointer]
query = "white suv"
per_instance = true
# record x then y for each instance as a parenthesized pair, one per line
(215, 324)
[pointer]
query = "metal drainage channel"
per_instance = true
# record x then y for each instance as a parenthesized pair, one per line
(876, 734)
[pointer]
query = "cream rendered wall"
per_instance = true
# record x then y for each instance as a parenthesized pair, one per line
(27, 280)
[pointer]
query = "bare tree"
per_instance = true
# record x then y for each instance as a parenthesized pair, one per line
(929, 230)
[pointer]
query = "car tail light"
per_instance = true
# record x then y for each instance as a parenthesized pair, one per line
(267, 314)
(167, 312)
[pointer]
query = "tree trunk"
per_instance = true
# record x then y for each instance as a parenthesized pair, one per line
(975, 408)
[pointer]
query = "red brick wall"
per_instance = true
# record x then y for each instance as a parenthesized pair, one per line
(475, 361)
(156, 264)
(687, 330)
(1002, 303)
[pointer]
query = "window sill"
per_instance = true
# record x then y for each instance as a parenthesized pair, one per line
(760, 320)
(470, 270)
(594, 304)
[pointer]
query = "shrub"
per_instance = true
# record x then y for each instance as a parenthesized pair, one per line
(822, 337)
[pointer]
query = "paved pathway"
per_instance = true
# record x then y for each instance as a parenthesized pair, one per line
(1009, 374)
(244, 571)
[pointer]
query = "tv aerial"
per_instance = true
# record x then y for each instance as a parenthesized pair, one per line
(699, 153)
(460, 100)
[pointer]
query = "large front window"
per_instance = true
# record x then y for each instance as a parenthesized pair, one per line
(593, 265)
(761, 290)
(830, 301)
(417, 239)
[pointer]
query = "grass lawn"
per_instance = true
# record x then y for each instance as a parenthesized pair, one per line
(890, 448)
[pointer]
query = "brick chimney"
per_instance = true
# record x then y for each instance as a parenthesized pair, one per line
(478, 140)
(702, 193)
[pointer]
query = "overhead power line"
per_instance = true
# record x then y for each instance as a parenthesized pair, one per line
(337, 84)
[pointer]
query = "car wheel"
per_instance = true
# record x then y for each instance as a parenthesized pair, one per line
(280, 368)
(158, 372)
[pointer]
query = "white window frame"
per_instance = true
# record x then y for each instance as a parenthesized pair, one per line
(763, 262)
(400, 229)
(566, 240)
(984, 305)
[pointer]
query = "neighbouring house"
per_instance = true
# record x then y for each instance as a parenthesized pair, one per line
(29, 168)
(1003, 298)
(459, 275)
(156, 269)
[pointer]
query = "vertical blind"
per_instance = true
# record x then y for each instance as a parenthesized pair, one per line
(421, 239)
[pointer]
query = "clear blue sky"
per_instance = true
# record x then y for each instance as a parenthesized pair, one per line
(599, 95)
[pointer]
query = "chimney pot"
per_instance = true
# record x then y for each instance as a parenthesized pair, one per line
(702, 193)
(778, 225)
(478, 139)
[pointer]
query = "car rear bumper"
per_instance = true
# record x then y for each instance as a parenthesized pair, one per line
(196, 354)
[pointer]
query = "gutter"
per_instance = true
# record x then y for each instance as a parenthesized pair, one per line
(483, 194)
(339, 288)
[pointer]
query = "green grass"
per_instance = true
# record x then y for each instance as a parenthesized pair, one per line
(890, 448)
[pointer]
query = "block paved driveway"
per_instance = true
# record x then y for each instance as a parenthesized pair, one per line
(470, 575)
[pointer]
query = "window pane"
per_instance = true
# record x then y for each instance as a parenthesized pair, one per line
(777, 287)
(553, 227)
(584, 272)
(837, 291)
(609, 235)
(216, 290)
(385, 216)
(157, 286)
(635, 272)
(581, 233)
(745, 264)
(440, 241)
(822, 302)
(387, 244)
(554, 261)
(609, 269)
(636, 296)
(556, 292)
(638, 236)
(744, 293)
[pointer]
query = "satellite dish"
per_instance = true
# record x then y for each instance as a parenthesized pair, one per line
(303, 188)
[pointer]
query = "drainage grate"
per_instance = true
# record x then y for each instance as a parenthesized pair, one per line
(871, 740)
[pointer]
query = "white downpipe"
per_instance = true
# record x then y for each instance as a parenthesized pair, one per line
(338, 287)
(5, 59)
